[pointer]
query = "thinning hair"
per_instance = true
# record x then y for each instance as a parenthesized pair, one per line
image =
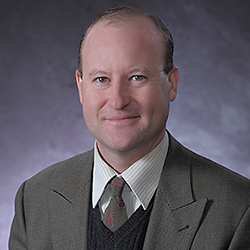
(123, 13)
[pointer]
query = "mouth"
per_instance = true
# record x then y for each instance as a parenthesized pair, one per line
(122, 120)
(119, 118)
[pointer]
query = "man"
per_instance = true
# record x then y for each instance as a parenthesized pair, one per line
(171, 199)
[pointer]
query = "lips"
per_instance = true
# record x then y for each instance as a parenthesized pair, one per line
(121, 121)
(121, 118)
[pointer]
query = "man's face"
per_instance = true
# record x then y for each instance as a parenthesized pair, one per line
(124, 91)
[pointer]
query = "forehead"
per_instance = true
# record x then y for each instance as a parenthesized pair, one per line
(136, 26)
(124, 44)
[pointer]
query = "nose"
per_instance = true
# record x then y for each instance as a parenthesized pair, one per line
(119, 97)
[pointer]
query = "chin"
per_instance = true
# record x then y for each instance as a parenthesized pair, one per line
(120, 144)
(122, 147)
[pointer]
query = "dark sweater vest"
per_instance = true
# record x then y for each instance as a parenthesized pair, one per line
(130, 236)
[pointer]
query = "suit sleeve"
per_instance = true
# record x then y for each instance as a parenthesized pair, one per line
(18, 238)
(241, 238)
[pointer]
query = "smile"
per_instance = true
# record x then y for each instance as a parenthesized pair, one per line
(121, 120)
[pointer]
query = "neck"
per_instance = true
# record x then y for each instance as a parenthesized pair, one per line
(122, 160)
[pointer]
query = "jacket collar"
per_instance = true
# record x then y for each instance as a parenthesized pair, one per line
(71, 177)
(176, 215)
(175, 182)
(69, 193)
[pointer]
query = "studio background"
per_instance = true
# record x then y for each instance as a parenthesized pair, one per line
(40, 115)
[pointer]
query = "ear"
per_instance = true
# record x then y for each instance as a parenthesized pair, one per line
(173, 78)
(79, 84)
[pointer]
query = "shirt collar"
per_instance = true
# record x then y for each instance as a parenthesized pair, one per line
(137, 176)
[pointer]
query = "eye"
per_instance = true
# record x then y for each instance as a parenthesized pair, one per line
(101, 80)
(138, 78)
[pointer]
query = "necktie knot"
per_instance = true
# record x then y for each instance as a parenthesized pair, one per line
(117, 185)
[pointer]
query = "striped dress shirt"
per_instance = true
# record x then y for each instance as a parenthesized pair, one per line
(141, 178)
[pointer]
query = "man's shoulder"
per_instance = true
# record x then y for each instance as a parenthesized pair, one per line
(210, 177)
(68, 170)
(204, 169)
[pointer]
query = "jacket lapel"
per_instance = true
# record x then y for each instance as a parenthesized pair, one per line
(68, 213)
(176, 216)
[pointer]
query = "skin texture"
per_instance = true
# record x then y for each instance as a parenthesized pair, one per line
(123, 90)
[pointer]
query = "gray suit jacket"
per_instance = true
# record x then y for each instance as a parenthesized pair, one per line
(198, 205)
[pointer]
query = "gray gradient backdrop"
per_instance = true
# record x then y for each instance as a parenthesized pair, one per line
(40, 114)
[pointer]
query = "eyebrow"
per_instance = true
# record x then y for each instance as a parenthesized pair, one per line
(97, 72)
(143, 70)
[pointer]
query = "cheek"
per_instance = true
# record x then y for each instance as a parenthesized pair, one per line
(164, 95)
(92, 103)
(157, 99)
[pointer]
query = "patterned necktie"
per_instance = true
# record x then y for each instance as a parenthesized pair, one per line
(115, 214)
